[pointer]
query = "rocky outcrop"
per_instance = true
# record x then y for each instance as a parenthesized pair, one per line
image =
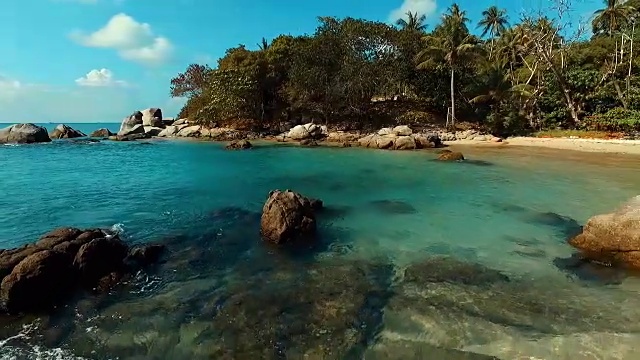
(308, 131)
(613, 239)
(152, 117)
(152, 131)
(239, 145)
(474, 135)
(40, 275)
(288, 217)
(101, 133)
(63, 131)
(190, 131)
(393, 139)
(24, 134)
(130, 122)
(182, 121)
(448, 155)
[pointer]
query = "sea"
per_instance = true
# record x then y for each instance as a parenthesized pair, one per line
(416, 259)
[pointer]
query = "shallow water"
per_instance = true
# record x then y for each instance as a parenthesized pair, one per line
(372, 289)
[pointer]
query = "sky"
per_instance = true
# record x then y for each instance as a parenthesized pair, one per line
(71, 61)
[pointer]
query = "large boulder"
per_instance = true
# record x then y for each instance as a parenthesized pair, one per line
(136, 129)
(190, 131)
(152, 130)
(152, 117)
(448, 155)
(182, 121)
(299, 132)
(101, 133)
(402, 130)
(287, 217)
(37, 276)
(24, 134)
(614, 238)
(130, 121)
(63, 131)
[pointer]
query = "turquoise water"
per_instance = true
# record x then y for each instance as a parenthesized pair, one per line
(509, 210)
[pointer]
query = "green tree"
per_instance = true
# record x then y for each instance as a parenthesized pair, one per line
(494, 22)
(452, 43)
(413, 22)
(614, 17)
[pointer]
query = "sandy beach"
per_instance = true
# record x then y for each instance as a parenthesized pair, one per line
(631, 147)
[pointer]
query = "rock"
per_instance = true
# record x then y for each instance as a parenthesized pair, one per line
(24, 134)
(190, 131)
(496, 139)
(287, 217)
(63, 131)
(146, 255)
(130, 121)
(450, 270)
(345, 144)
(299, 132)
(101, 133)
(169, 131)
(450, 156)
(131, 137)
(402, 130)
(152, 131)
(152, 117)
(98, 258)
(308, 142)
(613, 238)
(385, 131)
(404, 143)
(182, 121)
(426, 142)
(135, 129)
(239, 145)
(316, 204)
(37, 282)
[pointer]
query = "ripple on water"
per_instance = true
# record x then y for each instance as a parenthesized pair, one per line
(386, 212)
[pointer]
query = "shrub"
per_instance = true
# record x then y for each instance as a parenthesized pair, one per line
(618, 120)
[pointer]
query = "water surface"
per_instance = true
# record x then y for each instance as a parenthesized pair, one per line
(416, 257)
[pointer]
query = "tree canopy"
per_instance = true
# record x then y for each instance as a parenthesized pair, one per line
(510, 78)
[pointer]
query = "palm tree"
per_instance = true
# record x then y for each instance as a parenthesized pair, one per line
(453, 44)
(613, 17)
(494, 22)
(263, 45)
(414, 22)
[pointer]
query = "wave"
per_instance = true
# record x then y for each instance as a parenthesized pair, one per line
(18, 347)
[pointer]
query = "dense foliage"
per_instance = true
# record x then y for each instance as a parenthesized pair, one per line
(512, 78)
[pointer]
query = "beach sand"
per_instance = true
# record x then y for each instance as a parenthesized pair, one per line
(631, 147)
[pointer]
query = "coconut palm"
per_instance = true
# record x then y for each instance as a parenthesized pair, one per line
(263, 45)
(414, 21)
(615, 16)
(494, 22)
(453, 43)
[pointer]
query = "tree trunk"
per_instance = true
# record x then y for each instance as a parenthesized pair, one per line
(565, 91)
(453, 99)
(620, 94)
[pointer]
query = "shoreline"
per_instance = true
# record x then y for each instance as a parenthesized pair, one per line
(627, 147)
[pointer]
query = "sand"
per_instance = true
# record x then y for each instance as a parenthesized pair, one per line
(631, 147)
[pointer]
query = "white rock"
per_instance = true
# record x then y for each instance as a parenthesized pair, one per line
(402, 130)
(190, 131)
(299, 132)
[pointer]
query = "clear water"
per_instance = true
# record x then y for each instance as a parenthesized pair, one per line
(223, 294)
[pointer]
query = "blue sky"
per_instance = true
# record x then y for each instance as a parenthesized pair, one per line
(99, 60)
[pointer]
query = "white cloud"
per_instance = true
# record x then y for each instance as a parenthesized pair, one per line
(422, 7)
(133, 40)
(99, 78)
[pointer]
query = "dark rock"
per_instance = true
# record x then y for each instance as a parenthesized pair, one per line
(130, 137)
(447, 269)
(10, 258)
(308, 142)
(316, 204)
(345, 144)
(24, 134)
(450, 156)
(239, 145)
(63, 131)
(145, 255)
(102, 133)
(287, 217)
(394, 207)
(37, 282)
(98, 258)
(57, 236)
(589, 270)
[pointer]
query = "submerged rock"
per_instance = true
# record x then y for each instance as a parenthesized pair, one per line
(63, 131)
(287, 217)
(40, 275)
(393, 207)
(308, 142)
(239, 145)
(446, 269)
(447, 155)
(326, 310)
(24, 134)
(613, 238)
